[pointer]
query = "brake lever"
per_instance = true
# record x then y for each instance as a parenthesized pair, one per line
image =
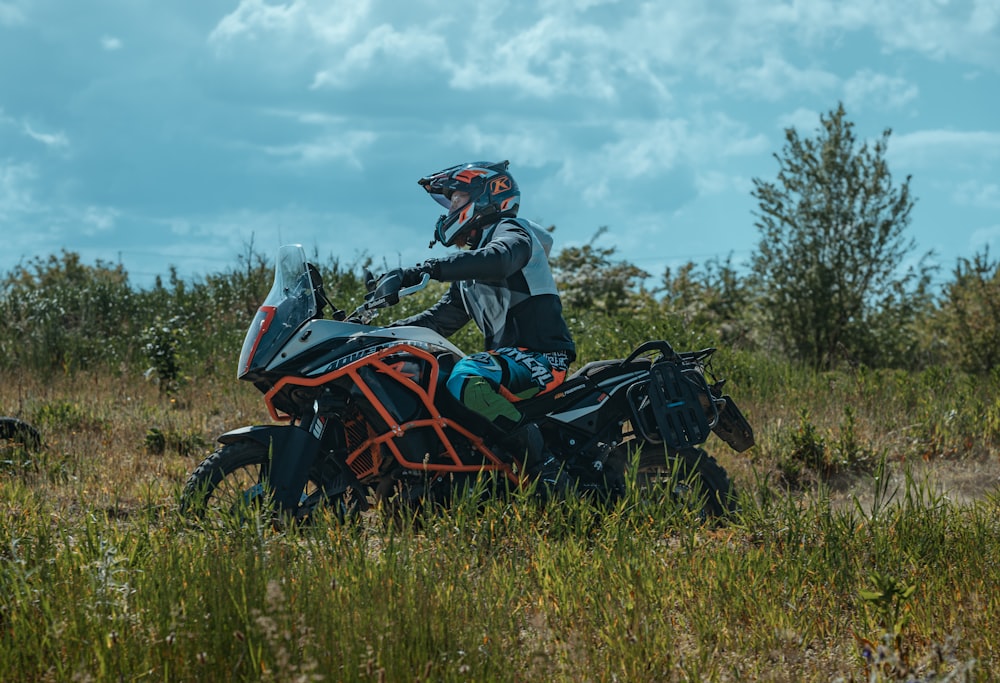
(367, 311)
(407, 291)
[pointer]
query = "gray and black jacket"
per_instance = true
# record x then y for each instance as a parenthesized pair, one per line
(506, 287)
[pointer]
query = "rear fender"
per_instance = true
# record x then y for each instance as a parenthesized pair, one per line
(733, 427)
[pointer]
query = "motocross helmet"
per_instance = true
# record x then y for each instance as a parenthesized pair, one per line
(493, 194)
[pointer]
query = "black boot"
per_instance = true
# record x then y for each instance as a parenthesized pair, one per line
(528, 444)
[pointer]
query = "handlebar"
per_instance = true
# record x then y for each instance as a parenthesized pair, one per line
(367, 311)
(407, 291)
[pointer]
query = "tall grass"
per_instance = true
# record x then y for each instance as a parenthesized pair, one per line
(100, 579)
(506, 592)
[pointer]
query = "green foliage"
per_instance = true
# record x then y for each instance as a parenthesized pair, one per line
(184, 443)
(161, 342)
(969, 319)
(601, 336)
(716, 298)
(590, 279)
(65, 416)
(806, 455)
(498, 592)
(100, 579)
(197, 326)
(888, 596)
(832, 247)
(62, 315)
(66, 316)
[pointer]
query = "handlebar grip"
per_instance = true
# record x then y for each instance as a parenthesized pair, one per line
(407, 291)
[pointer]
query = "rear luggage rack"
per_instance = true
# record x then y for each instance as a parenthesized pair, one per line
(675, 407)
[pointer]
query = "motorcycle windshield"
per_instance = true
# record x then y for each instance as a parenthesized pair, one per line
(290, 303)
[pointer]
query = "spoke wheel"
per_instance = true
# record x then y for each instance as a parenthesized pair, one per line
(230, 487)
(693, 479)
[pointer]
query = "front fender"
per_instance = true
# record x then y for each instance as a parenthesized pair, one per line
(264, 434)
(292, 451)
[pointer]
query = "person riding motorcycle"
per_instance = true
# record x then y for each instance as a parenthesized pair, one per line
(501, 279)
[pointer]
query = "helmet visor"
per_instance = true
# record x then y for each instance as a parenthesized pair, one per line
(442, 199)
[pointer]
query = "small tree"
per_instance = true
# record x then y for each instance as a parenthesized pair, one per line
(715, 296)
(832, 245)
(590, 279)
(970, 313)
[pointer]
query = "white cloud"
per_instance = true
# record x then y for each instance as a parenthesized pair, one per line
(988, 236)
(53, 141)
(307, 117)
(324, 21)
(338, 147)
(978, 194)
(932, 148)
(867, 89)
(804, 121)
(545, 53)
(758, 48)
(335, 142)
(531, 144)
(627, 107)
(943, 30)
(965, 30)
(557, 54)
(711, 183)
(407, 47)
(99, 219)
(111, 43)
(252, 18)
(11, 14)
(644, 150)
(16, 181)
(773, 77)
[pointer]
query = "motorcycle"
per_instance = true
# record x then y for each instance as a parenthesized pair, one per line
(20, 433)
(363, 416)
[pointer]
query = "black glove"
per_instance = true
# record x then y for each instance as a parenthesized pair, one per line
(387, 287)
(414, 274)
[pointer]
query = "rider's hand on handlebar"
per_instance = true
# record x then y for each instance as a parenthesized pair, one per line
(387, 287)
(414, 274)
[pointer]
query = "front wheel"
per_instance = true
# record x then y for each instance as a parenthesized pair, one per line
(230, 486)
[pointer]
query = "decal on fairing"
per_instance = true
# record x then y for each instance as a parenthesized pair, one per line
(358, 355)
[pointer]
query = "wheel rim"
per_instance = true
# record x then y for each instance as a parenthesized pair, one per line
(241, 497)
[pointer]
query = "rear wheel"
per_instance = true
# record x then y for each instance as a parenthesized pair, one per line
(230, 486)
(693, 477)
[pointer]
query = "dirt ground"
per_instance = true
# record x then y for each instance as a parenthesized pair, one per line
(960, 481)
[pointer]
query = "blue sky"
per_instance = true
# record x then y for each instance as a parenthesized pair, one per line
(180, 133)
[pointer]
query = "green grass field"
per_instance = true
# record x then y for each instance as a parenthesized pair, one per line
(845, 563)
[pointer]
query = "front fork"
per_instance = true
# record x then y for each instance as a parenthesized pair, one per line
(292, 460)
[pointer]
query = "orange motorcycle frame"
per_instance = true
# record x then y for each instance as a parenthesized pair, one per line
(365, 459)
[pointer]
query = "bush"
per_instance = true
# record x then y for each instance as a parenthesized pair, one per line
(969, 317)
(63, 315)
